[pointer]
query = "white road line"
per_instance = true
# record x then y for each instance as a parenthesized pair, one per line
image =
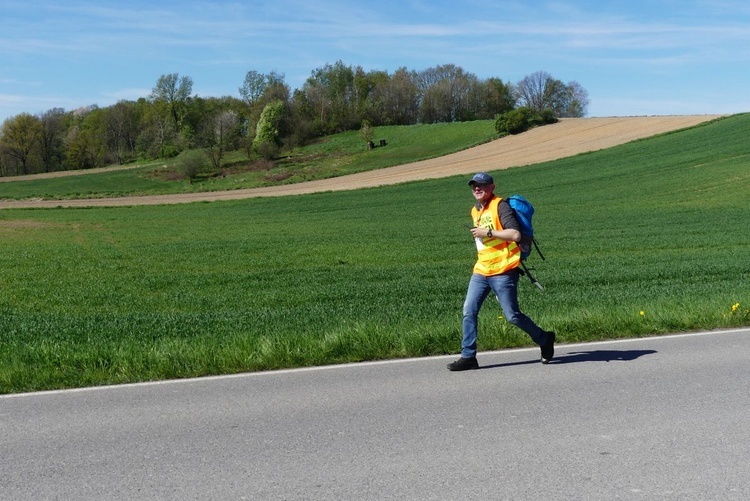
(363, 364)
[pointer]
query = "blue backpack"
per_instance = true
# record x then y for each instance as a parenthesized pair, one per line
(524, 211)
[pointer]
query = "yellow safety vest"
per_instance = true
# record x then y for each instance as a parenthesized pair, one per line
(495, 256)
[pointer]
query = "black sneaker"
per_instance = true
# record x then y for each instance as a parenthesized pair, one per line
(548, 348)
(464, 364)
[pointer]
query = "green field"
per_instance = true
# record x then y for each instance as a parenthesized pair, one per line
(645, 238)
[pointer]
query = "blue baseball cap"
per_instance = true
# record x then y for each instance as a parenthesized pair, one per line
(481, 178)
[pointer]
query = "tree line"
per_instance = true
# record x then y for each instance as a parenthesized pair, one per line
(269, 117)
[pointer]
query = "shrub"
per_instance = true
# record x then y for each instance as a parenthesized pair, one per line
(268, 150)
(522, 119)
(514, 121)
(548, 117)
(190, 163)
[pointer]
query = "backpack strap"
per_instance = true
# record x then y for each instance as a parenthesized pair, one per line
(536, 246)
(526, 272)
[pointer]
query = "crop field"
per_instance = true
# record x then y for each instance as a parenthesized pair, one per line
(643, 238)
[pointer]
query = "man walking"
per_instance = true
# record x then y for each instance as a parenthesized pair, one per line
(496, 233)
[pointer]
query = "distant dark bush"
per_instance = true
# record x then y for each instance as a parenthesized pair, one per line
(522, 119)
(548, 117)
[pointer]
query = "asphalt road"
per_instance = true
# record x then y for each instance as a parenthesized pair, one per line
(655, 418)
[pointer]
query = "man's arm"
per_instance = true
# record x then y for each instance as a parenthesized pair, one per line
(510, 231)
(511, 228)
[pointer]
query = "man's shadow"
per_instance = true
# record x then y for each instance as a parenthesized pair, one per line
(584, 356)
(601, 356)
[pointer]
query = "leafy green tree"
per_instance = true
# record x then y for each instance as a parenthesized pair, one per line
(367, 84)
(267, 137)
(258, 90)
(367, 132)
(336, 97)
(21, 142)
(332, 97)
(498, 98)
(156, 137)
(301, 128)
(86, 139)
(363, 85)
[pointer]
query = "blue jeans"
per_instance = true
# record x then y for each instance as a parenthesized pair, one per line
(505, 287)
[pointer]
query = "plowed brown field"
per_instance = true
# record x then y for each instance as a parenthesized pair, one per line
(566, 138)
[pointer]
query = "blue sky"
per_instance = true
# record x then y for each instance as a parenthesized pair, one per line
(634, 57)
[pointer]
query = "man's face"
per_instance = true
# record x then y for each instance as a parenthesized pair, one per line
(482, 192)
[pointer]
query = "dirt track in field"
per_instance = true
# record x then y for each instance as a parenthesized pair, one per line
(566, 138)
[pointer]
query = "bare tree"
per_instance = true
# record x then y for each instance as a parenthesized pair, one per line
(222, 135)
(52, 141)
(539, 92)
(535, 90)
(578, 101)
(121, 131)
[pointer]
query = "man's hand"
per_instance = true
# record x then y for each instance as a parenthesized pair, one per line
(479, 232)
(508, 235)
